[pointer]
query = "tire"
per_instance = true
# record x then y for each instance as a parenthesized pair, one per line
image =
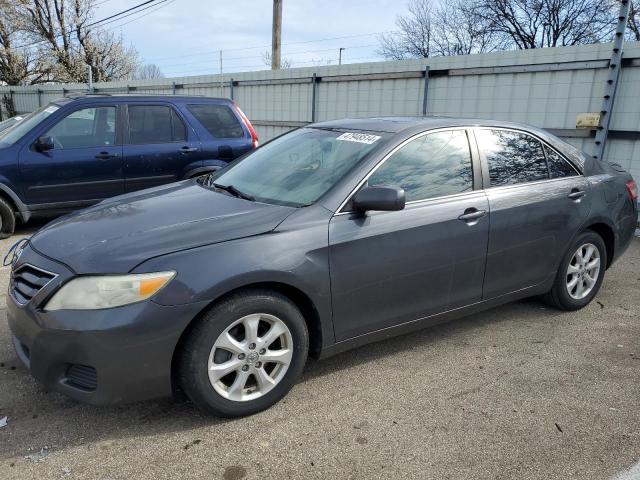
(201, 352)
(8, 219)
(562, 296)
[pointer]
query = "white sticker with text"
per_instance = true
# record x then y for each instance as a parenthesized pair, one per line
(359, 137)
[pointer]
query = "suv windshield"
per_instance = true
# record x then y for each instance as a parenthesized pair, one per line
(12, 134)
(298, 168)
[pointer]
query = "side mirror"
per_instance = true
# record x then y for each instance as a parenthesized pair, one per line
(379, 198)
(44, 144)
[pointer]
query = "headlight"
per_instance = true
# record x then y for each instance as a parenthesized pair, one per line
(92, 293)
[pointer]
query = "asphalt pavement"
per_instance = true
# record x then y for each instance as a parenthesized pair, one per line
(519, 392)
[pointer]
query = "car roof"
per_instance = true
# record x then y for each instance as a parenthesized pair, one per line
(399, 124)
(106, 97)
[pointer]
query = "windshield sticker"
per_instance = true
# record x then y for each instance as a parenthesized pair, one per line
(51, 109)
(359, 137)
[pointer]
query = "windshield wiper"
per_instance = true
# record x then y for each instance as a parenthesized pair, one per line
(234, 191)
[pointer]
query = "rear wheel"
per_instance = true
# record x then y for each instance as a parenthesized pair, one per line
(245, 354)
(7, 219)
(580, 274)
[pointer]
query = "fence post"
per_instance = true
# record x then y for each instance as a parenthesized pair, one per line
(313, 97)
(426, 90)
(231, 88)
(615, 67)
(39, 92)
(173, 88)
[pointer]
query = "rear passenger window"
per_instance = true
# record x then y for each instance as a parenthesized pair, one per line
(155, 124)
(513, 157)
(219, 120)
(558, 166)
(433, 165)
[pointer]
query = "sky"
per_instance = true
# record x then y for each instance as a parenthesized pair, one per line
(183, 37)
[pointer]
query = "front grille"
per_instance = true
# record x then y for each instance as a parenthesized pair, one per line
(27, 281)
(82, 376)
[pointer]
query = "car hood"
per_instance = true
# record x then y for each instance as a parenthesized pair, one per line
(117, 234)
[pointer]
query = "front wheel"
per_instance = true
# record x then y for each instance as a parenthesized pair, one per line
(245, 354)
(580, 274)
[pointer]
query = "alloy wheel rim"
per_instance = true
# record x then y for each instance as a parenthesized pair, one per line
(250, 357)
(583, 271)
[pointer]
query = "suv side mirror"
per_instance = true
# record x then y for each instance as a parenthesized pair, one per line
(44, 144)
(379, 198)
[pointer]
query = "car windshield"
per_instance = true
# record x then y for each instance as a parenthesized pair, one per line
(12, 134)
(298, 168)
(10, 122)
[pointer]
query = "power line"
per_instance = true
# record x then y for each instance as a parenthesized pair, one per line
(158, 7)
(269, 46)
(290, 54)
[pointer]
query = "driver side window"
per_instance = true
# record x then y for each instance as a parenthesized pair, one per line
(85, 128)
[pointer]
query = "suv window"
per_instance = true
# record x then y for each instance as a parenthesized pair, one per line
(513, 157)
(558, 166)
(219, 120)
(155, 124)
(433, 165)
(85, 128)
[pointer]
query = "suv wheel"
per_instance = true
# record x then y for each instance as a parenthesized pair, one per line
(7, 219)
(580, 274)
(245, 354)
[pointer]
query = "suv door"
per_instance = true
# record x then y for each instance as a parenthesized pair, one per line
(389, 268)
(159, 146)
(85, 164)
(223, 138)
(537, 206)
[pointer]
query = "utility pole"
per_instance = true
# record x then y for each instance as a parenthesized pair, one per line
(615, 65)
(90, 75)
(276, 34)
(340, 55)
(220, 62)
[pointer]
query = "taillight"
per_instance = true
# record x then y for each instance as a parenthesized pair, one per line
(632, 188)
(247, 123)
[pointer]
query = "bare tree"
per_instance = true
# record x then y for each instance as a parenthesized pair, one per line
(634, 22)
(414, 36)
(148, 71)
(545, 23)
(284, 63)
(55, 40)
(433, 31)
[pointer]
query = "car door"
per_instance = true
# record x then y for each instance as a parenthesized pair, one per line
(537, 206)
(392, 267)
(85, 164)
(159, 146)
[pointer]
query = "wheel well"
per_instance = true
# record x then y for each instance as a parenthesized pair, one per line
(606, 232)
(299, 298)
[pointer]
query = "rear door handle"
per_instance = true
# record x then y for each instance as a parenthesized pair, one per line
(470, 215)
(576, 194)
(186, 149)
(105, 155)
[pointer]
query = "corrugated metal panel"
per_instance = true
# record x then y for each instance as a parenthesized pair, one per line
(544, 87)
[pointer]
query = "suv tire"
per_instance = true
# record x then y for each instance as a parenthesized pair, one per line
(7, 219)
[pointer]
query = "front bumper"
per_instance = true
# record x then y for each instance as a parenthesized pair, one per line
(101, 356)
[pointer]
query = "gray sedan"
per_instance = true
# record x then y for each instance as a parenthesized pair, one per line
(329, 237)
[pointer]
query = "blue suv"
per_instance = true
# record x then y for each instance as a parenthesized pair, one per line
(79, 150)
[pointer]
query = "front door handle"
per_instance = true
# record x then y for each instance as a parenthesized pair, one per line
(471, 215)
(105, 156)
(186, 149)
(576, 194)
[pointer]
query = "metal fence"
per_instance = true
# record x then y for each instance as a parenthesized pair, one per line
(547, 87)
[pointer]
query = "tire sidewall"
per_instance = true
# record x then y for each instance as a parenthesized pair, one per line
(7, 219)
(560, 287)
(195, 378)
